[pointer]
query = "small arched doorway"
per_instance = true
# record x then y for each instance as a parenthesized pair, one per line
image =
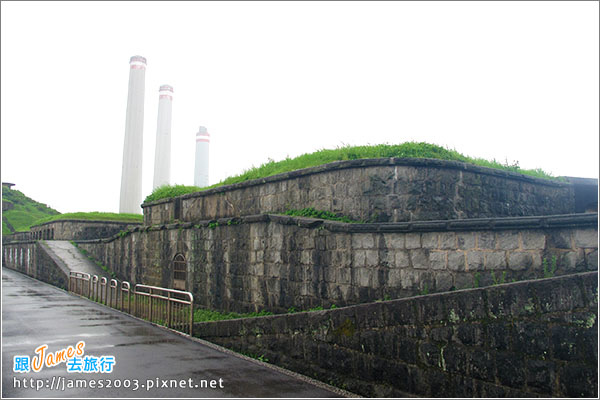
(179, 272)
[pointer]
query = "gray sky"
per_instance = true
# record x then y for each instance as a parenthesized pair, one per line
(514, 81)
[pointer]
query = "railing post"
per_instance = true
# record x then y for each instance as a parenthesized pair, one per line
(169, 309)
(191, 314)
(150, 301)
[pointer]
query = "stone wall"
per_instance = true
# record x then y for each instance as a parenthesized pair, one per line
(33, 259)
(526, 339)
(377, 190)
(276, 262)
(78, 229)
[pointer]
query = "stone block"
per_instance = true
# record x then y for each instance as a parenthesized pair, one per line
(306, 257)
(363, 241)
(469, 334)
(343, 241)
(448, 240)
(498, 335)
(510, 369)
(359, 258)
(412, 240)
(372, 258)
(475, 260)
(495, 260)
(329, 274)
(564, 342)
(364, 277)
(443, 281)
(465, 240)
(409, 278)
(559, 239)
(556, 298)
(343, 275)
(579, 380)
(401, 259)
(394, 278)
(455, 359)
(520, 260)
(481, 365)
(406, 350)
(533, 240)
(437, 259)
(429, 240)
(532, 339)
(566, 261)
(486, 240)
(419, 259)
(507, 240)
(463, 281)
(591, 258)
(429, 354)
(456, 261)
(587, 238)
(394, 241)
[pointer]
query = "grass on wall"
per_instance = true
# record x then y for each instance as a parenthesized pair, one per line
(95, 216)
(327, 215)
(324, 156)
(203, 315)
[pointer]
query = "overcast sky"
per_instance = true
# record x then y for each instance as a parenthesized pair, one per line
(514, 81)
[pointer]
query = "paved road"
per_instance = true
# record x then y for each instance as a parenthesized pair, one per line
(73, 258)
(35, 313)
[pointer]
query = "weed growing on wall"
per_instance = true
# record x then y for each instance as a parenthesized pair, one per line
(499, 281)
(549, 271)
(310, 212)
(204, 315)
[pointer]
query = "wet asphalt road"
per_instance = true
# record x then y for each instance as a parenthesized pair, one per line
(35, 313)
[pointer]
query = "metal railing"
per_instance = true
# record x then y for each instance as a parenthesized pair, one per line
(79, 283)
(168, 307)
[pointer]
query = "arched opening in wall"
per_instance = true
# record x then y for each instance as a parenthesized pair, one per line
(179, 272)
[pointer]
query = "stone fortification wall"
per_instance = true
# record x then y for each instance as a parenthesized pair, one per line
(377, 190)
(526, 339)
(276, 262)
(78, 229)
(32, 258)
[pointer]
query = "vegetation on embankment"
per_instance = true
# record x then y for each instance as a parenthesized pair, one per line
(21, 212)
(310, 212)
(95, 216)
(170, 191)
(324, 156)
(203, 315)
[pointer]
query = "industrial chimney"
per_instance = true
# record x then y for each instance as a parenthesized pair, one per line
(162, 154)
(201, 167)
(131, 175)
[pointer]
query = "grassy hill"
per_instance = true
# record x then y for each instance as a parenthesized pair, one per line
(404, 150)
(21, 212)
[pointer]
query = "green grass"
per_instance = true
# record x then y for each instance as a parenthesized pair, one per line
(24, 212)
(95, 216)
(166, 192)
(312, 213)
(324, 156)
(203, 315)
